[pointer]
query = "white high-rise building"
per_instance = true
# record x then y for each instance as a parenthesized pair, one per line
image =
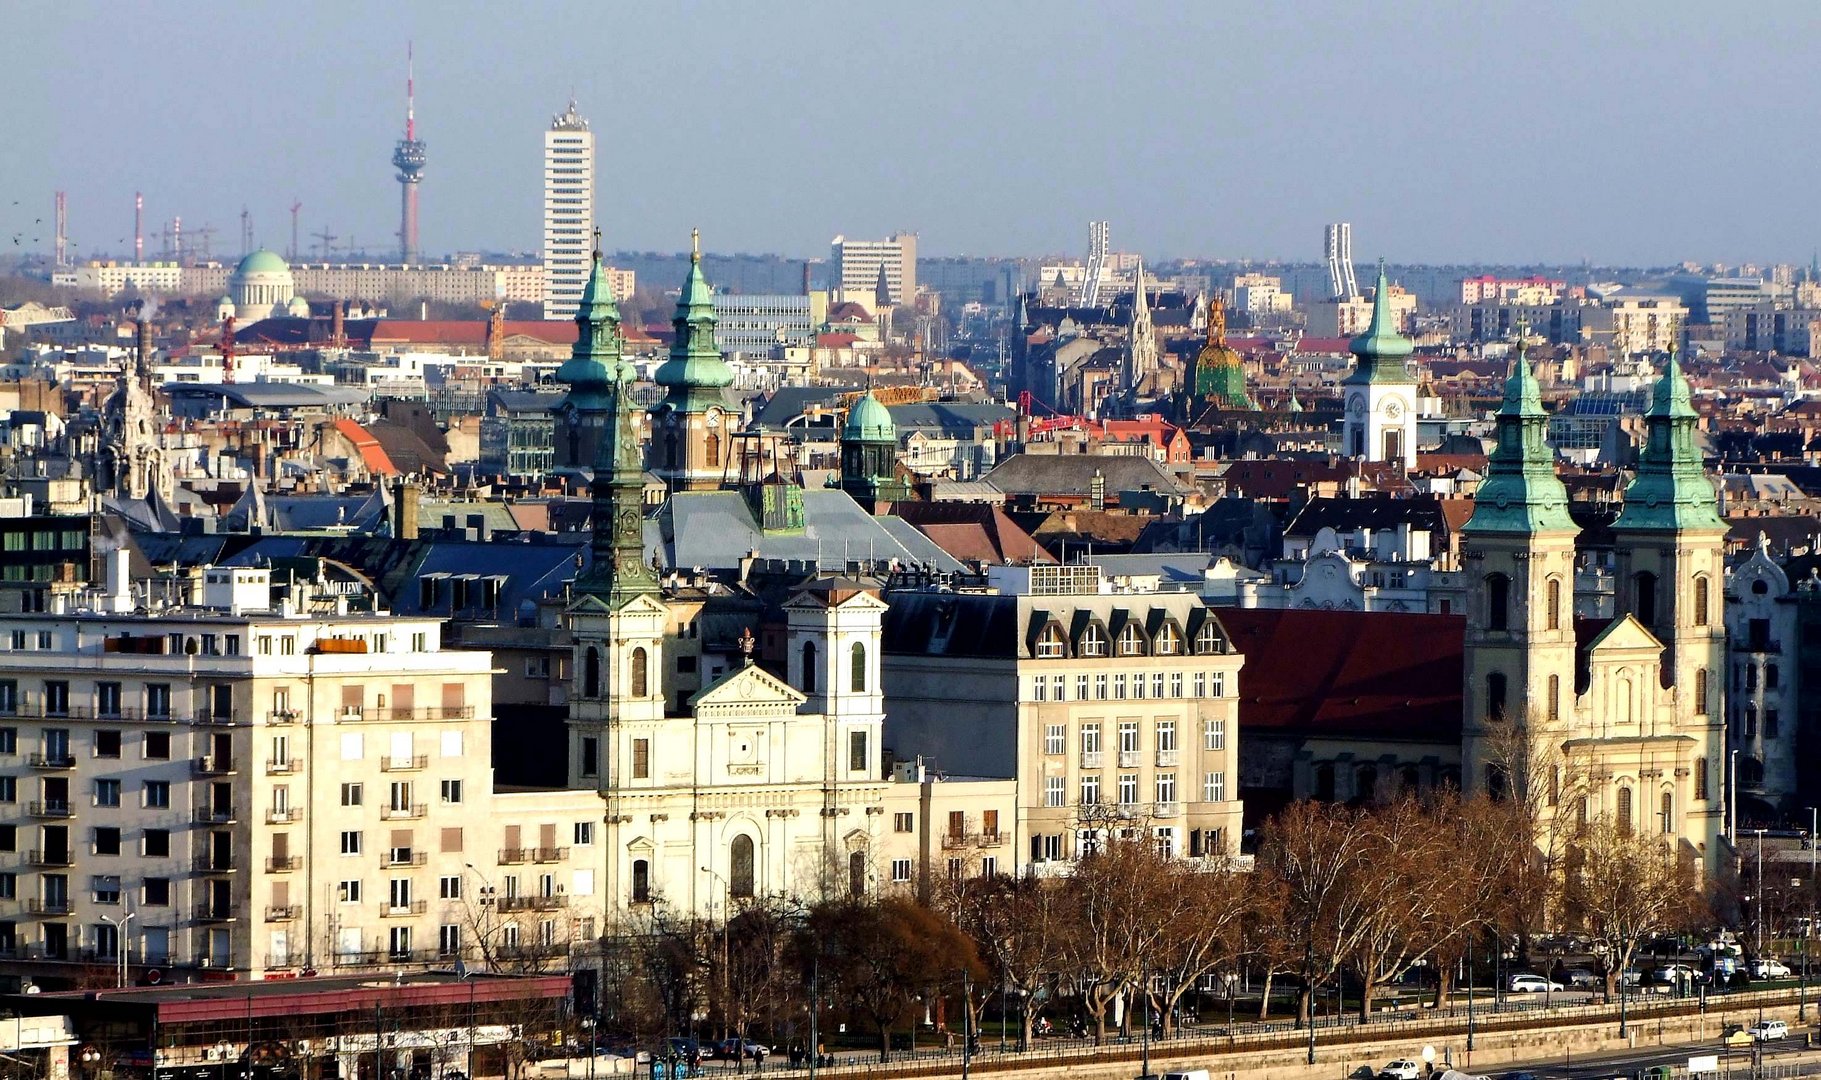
(568, 212)
(1337, 246)
(857, 264)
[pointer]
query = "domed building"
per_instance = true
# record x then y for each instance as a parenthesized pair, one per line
(260, 285)
(1220, 374)
(869, 454)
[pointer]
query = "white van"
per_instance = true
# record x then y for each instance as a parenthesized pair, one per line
(1768, 1030)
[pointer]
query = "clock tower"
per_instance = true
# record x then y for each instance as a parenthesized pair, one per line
(690, 428)
(1379, 396)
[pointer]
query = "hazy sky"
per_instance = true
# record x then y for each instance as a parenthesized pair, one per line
(1618, 132)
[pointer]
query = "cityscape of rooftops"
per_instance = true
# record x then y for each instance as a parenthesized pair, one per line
(1272, 541)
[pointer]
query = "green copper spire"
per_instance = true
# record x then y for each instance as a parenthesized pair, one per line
(695, 372)
(619, 571)
(1671, 490)
(1381, 349)
(598, 345)
(1521, 492)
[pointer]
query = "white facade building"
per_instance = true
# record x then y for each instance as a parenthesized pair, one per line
(568, 212)
(857, 264)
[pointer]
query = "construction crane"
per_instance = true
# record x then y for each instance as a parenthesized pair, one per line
(204, 239)
(325, 239)
(295, 207)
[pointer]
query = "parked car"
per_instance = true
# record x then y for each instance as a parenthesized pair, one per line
(683, 1047)
(1766, 968)
(1531, 984)
(1401, 1069)
(1581, 978)
(732, 1048)
(1767, 1030)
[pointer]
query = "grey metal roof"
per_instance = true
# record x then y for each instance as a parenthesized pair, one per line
(714, 530)
(957, 418)
(266, 395)
(1072, 474)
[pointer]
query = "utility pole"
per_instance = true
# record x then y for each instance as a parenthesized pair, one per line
(967, 1016)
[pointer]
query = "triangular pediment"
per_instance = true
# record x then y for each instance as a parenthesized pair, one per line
(836, 595)
(748, 686)
(1625, 634)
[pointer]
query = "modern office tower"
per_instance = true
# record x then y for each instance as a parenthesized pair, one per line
(1337, 246)
(858, 264)
(568, 212)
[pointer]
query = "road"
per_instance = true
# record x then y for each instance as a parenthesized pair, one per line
(1735, 1061)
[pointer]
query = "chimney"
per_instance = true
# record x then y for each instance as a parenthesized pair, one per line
(805, 277)
(1097, 491)
(144, 345)
(404, 511)
(338, 325)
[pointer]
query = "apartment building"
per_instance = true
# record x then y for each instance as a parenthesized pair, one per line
(1110, 711)
(858, 263)
(265, 775)
(568, 212)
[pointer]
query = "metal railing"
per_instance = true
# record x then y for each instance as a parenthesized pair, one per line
(63, 760)
(215, 864)
(213, 913)
(283, 912)
(50, 808)
(47, 907)
(414, 763)
(404, 911)
(531, 903)
(284, 864)
(216, 815)
(284, 766)
(399, 813)
(213, 765)
(50, 858)
(407, 858)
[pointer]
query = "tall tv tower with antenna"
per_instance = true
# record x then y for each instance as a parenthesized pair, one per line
(408, 159)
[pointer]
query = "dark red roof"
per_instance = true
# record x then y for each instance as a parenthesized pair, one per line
(1386, 675)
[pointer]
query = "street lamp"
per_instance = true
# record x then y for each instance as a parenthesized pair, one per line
(120, 945)
(1760, 893)
(739, 1055)
(1469, 992)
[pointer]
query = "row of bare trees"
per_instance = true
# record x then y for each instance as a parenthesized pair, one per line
(1360, 895)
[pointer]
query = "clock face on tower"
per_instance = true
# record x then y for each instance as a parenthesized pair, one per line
(1394, 409)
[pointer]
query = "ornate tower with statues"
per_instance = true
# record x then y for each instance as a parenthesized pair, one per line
(691, 427)
(1379, 396)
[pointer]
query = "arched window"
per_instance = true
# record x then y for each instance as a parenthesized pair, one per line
(1644, 588)
(1324, 782)
(640, 674)
(641, 881)
(1552, 603)
(809, 667)
(591, 672)
(1700, 691)
(1555, 697)
(1700, 779)
(711, 449)
(1131, 640)
(1495, 696)
(1498, 602)
(1666, 814)
(1623, 814)
(857, 673)
(1701, 600)
(739, 874)
(1168, 642)
(1207, 639)
(1623, 689)
(1093, 641)
(1052, 644)
(1555, 785)
(1365, 784)
(856, 873)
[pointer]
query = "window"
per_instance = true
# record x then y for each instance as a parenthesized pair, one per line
(641, 881)
(591, 756)
(1623, 813)
(107, 743)
(809, 667)
(1128, 789)
(158, 745)
(107, 793)
(903, 822)
(1100, 686)
(1090, 738)
(1214, 734)
(740, 867)
(449, 939)
(9, 789)
(1644, 589)
(398, 893)
(158, 794)
(1040, 689)
(989, 866)
(584, 833)
(1054, 736)
(1498, 602)
(1166, 787)
(1771, 725)
(156, 843)
(1175, 684)
(9, 737)
(957, 824)
(1131, 640)
(400, 796)
(1700, 779)
(1495, 695)
(1050, 643)
(1090, 791)
(641, 759)
(640, 673)
(1207, 639)
(1056, 687)
(1156, 684)
(351, 794)
(591, 672)
(1138, 685)
(1169, 642)
(1166, 736)
(1771, 676)
(1201, 684)
(1552, 604)
(107, 841)
(901, 871)
(1666, 813)
(350, 842)
(1701, 605)
(1214, 787)
(856, 751)
(452, 791)
(400, 943)
(1128, 736)
(1081, 687)
(989, 824)
(449, 887)
(1054, 790)
(1093, 641)
(1555, 697)
(9, 838)
(156, 891)
(857, 669)
(1217, 684)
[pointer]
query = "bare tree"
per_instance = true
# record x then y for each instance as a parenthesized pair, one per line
(1623, 887)
(1016, 925)
(1314, 850)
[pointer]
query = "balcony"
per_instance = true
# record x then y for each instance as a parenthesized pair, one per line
(407, 857)
(214, 765)
(214, 913)
(217, 719)
(1168, 758)
(50, 858)
(216, 815)
(284, 864)
(355, 959)
(49, 809)
(549, 854)
(531, 903)
(1091, 759)
(404, 911)
(61, 759)
(283, 912)
(213, 864)
(1166, 809)
(512, 856)
(279, 717)
(283, 815)
(47, 907)
(403, 813)
(284, 766)
(354, 714)
(1129, 759)
(404, 764)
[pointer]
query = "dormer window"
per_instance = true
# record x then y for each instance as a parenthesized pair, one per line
(1093, 641)
(1131, 641)
(1051, 645)
(1169, 642)
(1207, 639)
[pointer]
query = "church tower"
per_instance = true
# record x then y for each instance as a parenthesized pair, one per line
(690, 442)
(869, 454)
(1141, 350)
(1379, 395)
(1518, 565)
(1220, 374)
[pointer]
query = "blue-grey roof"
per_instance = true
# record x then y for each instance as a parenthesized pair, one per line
(957, 418)
(1183, 568)
(714, 530)
(267, 395)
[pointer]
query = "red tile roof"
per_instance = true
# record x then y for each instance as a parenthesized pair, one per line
(372, 454)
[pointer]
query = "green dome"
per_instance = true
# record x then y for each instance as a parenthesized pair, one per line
(262, 262)
(869, 421)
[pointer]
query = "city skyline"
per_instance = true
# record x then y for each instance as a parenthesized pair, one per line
(1207, 133)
